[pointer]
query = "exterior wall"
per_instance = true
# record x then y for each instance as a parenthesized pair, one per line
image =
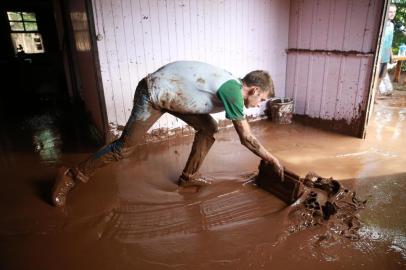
(331, 52)
(135, 37)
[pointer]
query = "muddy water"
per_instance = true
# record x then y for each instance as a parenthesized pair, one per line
(131, 215)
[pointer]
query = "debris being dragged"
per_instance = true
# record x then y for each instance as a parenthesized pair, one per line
(325, 202)
(313, 201)
(287, 188)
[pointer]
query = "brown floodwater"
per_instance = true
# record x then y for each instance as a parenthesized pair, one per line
(131, 214)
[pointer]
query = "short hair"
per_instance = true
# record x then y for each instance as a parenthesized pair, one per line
(392, 5)
(262, 79)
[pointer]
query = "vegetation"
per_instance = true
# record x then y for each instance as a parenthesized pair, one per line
(399, 37)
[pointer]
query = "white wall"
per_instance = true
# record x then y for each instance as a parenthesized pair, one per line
(135, 37)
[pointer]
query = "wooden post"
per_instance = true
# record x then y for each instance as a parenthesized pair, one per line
(399, 59)
(397, 71)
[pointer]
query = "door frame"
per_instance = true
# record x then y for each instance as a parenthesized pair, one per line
(375, 68)
(71, 68)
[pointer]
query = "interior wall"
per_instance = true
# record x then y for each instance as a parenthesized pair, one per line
(332, 45)
(137, 37)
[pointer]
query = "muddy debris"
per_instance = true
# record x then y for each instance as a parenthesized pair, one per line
(326, 203)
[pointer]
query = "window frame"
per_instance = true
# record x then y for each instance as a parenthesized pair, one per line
(23, 21)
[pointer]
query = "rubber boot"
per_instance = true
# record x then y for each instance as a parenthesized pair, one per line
(63, 184)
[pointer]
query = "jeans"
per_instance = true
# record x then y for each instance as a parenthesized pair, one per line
(143, 115)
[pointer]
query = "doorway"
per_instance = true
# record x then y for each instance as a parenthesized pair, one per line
(388, 85)
(41, 106)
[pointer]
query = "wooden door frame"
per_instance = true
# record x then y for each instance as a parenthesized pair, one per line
(375, 67)
(97, 69)
(70, 65)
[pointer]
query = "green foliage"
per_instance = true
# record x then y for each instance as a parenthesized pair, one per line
(31, 26)
(14, 16)
(399, 37)
(29, 16)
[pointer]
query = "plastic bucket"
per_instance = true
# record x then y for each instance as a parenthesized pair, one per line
(280, 110)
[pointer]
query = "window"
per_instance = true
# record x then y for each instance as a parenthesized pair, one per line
(24, 32)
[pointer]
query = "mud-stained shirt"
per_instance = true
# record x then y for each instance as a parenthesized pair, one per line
(230, 95)
(196, 87)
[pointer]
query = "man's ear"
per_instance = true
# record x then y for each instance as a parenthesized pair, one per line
(252, 91)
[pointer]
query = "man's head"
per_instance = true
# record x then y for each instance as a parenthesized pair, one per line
(257, 87)
(391, 12)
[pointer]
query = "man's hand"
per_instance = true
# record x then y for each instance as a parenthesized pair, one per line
(278, 167)
(399, 27)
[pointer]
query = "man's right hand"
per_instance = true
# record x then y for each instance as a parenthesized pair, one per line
(277, 167)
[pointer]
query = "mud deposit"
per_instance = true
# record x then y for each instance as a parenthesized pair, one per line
(131, 215)
(325, 202)
(124, 221)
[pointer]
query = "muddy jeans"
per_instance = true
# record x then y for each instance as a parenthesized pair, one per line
(143, 115)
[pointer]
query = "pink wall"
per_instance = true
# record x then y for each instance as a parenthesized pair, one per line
(137, 37)
(332, 47)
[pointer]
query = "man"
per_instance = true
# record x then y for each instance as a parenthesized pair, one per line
(387, 40)
(191, 91)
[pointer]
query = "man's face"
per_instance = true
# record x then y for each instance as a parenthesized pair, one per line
(391, 12)
(255, 97)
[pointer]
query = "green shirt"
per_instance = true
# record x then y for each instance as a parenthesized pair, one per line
(231, 96)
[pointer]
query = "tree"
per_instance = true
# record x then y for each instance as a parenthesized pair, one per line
(400, 17)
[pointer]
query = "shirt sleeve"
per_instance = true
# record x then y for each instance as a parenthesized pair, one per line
(230, 95)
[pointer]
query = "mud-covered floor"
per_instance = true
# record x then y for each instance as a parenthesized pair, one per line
(131, 216)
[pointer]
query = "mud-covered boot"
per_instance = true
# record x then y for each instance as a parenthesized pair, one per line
(63, 184)
(193, 180)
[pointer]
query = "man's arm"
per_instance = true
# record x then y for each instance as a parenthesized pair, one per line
(399, 27)
(248, 140)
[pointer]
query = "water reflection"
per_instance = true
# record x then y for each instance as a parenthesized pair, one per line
(47, 143)
(81, 31)
(376, 234)
(388, 124)
(45, 136)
